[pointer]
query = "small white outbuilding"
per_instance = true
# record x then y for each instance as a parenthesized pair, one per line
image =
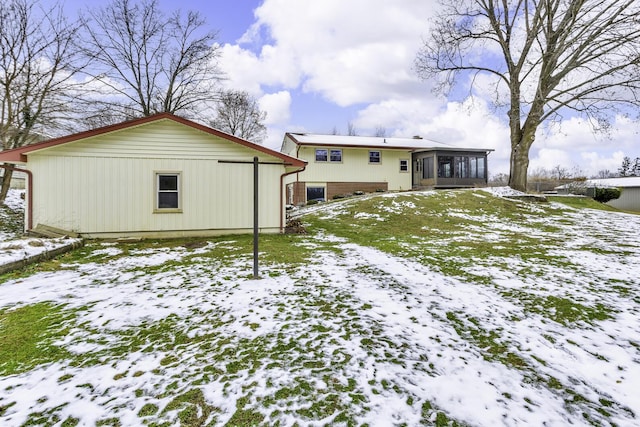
(629, 199)
(157, 176)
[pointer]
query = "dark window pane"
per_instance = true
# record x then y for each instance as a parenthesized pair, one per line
(481, 167)
(374, 157)
(427, 168)
(321, 155)
(167, 200)
(168, 182)
(315, 193)
(462, 167)
(445, 167)
(404, 165)
(336, 155)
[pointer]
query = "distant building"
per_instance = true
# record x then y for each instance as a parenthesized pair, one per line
(629, 199)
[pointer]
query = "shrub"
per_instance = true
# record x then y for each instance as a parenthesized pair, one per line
(311, 202)
(603, 195)
(338, 196)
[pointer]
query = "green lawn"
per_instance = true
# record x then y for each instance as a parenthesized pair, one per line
(437, 308)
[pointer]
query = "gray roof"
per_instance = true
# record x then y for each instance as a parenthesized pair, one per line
(623, 182)
(415, 144)
(629, 181)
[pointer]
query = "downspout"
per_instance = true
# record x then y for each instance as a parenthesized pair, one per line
(282, 199)
(12, 167)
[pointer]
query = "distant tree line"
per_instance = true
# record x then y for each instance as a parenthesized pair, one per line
(629, 167)
(543, 179)
(115, 61)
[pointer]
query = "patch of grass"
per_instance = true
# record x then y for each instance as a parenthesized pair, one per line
(48, 417)
(582, 203)
(433, 417)
(445, 230)
(70, 422)
(148, 409)
(561, 310)
(4, 408)
(192, 408)
(27, 336)
(488, 342)
(245, 417)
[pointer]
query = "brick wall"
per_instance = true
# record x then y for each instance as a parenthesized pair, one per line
(334, 188)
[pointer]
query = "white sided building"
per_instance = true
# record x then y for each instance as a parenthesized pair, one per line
(157, 176)
(338, 164)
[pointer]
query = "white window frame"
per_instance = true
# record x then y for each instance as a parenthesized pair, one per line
(335, 150)
(406, 166)
(326, 153)
(158, 191)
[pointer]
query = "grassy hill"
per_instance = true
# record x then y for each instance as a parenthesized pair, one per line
(431, 308)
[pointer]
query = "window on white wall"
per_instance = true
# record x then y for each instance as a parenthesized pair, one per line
(374, 157)
(168, 191)
(404, 165)
(336, 156)
(321, 155)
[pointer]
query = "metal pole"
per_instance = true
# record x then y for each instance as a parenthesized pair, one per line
(255, 218)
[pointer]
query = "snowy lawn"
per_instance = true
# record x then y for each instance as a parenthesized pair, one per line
(447, 308)
(14, 246)
(11, 216)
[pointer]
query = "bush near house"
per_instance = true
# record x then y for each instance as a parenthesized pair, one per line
(605, 194)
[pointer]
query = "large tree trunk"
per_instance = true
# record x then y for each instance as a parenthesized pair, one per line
(6, 182)
(520, 158)
(519, 167)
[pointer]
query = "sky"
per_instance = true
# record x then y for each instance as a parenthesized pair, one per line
(316, 66)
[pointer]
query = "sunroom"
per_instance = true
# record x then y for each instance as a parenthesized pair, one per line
(450, 169)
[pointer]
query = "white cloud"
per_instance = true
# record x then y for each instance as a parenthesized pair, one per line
(278, 107)
(361, 54)
(573, 144)
(359, 51)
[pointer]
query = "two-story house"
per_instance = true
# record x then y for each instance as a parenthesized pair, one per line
(339, 164)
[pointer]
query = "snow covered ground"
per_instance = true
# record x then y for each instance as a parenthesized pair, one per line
(14, 247)
(352, 335)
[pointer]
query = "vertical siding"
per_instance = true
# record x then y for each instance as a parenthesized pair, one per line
(164, 139)
(629, 199)
(107, 184)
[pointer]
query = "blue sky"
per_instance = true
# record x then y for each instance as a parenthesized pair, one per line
(315, 65)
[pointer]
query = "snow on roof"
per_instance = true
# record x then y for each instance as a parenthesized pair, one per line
(373, 141)
(624, 182)
(629, 181)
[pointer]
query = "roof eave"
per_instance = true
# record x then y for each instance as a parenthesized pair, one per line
(19, 154)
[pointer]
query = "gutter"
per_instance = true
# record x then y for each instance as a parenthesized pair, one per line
(13, 167)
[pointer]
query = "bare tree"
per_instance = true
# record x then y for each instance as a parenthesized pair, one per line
(239, 114)
(380, 132)
(152, 62)
(559, 172)
(351, 129)
(605, 173)
(37, 63)
(543, 58)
